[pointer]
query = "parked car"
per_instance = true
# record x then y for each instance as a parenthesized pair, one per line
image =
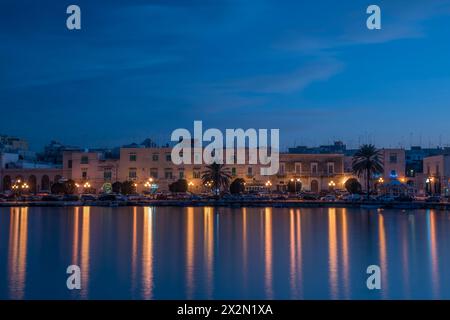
(386, 198)
(352, 197)
(329, 198)
(309, 196)
(404, 198)
(420, 198)
(88, 197)
(107, 197)
(433, 199)
(120, 197)
(70, 197)
(51, 197)
(135, 197)
(280, 197)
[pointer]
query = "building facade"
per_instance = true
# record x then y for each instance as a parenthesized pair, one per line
(312, 172)
(141, 164)
(437, 174)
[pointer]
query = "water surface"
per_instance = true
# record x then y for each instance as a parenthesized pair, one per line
(223, 253)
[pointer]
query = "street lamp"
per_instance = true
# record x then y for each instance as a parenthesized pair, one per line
(428, 182)
(295, 181)
(269, 186)
(331, 184)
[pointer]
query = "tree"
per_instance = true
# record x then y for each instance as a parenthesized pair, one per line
(353, 186)
(90, 190)
(366, 161)
(117, 187)
(218, 176)
(128, 187)
(180, 185)
(57, 188)
(70, 187)
(237, 186)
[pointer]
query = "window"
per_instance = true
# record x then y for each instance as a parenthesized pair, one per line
(84, 174)
(437, 169)
(132, 174)
(196, 174)
(133, 157)
(393, 158)
(281, 171)
(155, 157)
(233, 172)
(107, 175)
(428, 169)
(168, 174)
(168, 157)
(69, 164)
(314, 168)
(84, 160)
(154, 173)
(181, 174)
(250, 171)
(330, 168)
(298, 168)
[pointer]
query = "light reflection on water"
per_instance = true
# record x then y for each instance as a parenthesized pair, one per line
(17, 257)
(220, 253)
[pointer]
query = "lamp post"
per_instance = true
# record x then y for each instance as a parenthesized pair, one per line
(269, 186)
(429, 185)
(331, 185)
(295, 181)
(190, 185)
(86, 187)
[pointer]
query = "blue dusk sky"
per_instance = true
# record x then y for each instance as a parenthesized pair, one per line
(141, 69)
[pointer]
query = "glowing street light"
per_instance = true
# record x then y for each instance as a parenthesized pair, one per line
(331, 184)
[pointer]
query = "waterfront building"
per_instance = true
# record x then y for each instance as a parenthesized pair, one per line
(437, 174)
(91, 169)
(151, 168)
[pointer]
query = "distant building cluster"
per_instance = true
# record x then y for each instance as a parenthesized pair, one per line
(150, 168)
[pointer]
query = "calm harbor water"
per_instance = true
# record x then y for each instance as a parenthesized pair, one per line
(223, 253)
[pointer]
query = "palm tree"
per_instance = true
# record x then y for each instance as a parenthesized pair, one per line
(367, 161)
(217, 175)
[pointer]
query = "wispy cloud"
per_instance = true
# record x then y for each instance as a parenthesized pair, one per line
(400, 20)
